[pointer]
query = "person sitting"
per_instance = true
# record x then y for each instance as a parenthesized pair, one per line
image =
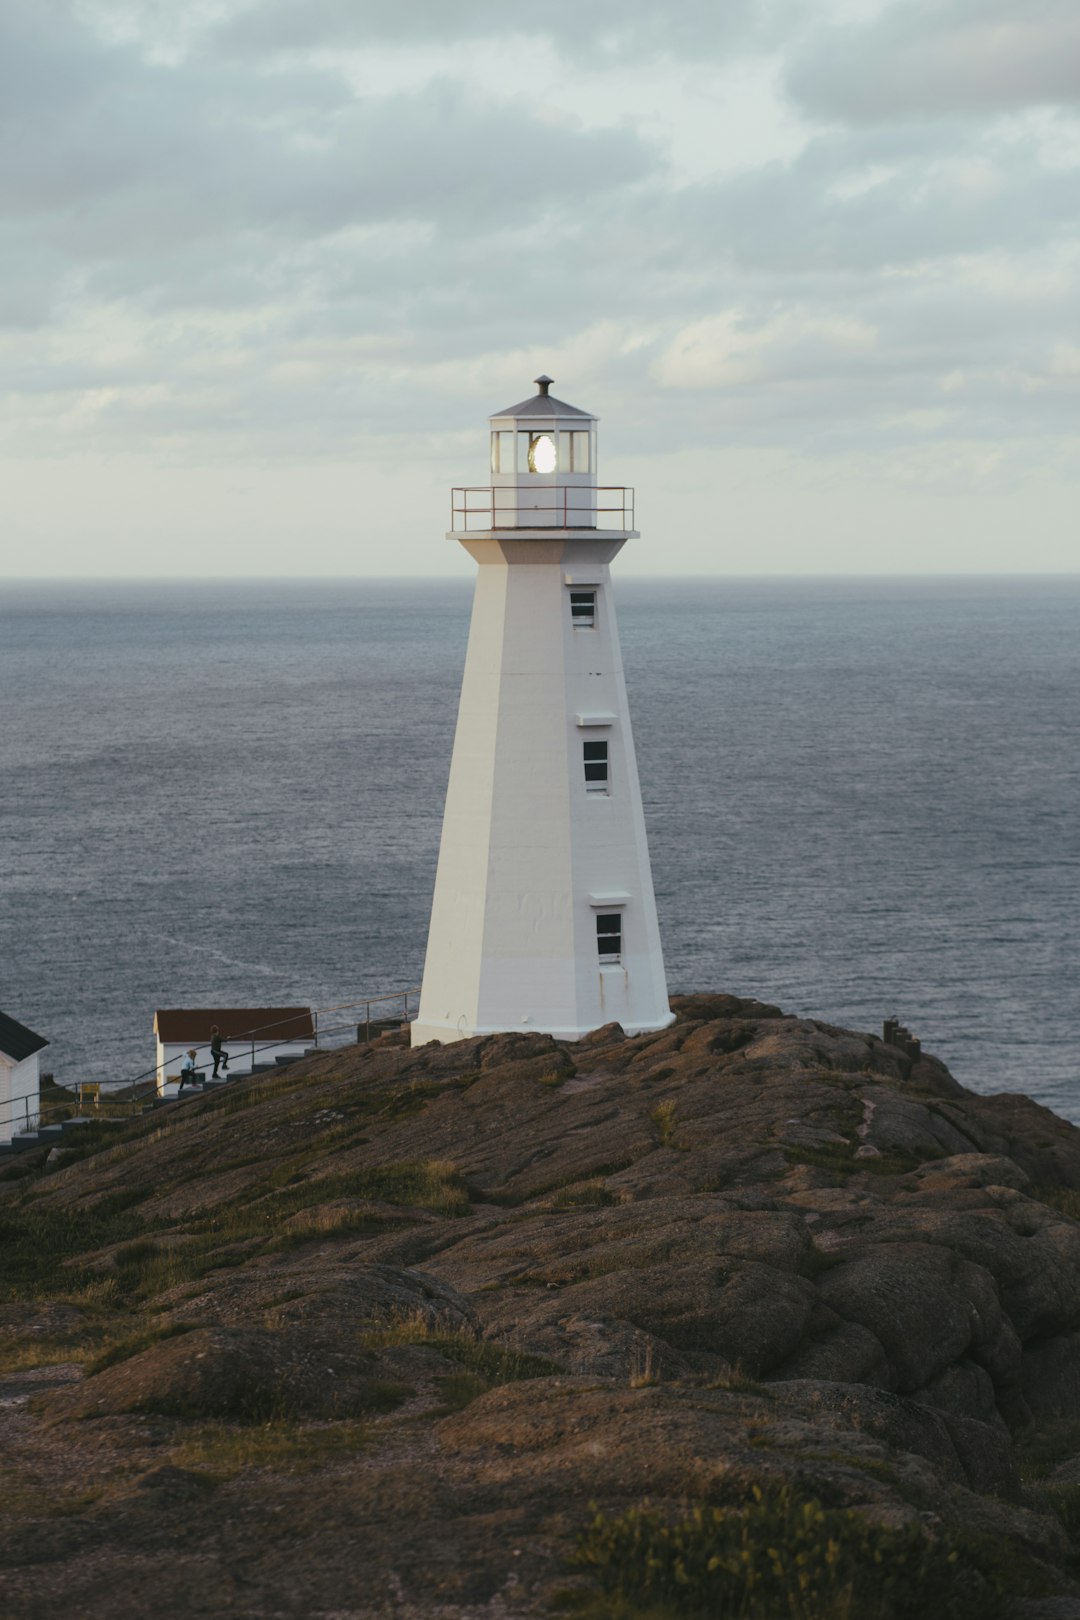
(188, 1071)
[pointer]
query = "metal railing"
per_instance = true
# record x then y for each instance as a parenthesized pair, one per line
(26, 1115)
(392, 996)
(554, 507)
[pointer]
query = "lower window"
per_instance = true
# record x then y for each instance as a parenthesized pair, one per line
(596, 767)
(609, 936)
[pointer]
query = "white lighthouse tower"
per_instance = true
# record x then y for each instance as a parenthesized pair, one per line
(543, 916)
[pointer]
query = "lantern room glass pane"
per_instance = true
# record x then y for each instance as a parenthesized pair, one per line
(523, 452)
(580, 459)
(566, 442)
(502, 452)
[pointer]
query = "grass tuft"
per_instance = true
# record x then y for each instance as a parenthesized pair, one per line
(783, 1556)
(483, 1365)
(135, 1343)
(589, 1195)
(223, 1450)
(663, 1118)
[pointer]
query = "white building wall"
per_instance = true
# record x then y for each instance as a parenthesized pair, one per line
(20, 1095)
(526, 851)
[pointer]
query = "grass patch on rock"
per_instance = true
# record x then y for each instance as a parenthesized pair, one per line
(590, 1195)
(783, 1556)
(1066, 1200)
(134, 1343)
(839, 1160)
(38, 1240)
(481, 1365)
(224, 1450)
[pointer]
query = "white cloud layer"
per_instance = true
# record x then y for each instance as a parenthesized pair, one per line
(315, 241)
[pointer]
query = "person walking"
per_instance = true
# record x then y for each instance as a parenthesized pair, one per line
(188, 1071)
(218, 1052)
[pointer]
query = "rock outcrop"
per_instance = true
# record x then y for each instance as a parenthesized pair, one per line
(749, 1247)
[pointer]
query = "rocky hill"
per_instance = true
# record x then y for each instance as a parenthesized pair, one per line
(510, 1327)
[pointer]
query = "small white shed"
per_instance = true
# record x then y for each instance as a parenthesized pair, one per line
(20, 1077)
(250, 1035)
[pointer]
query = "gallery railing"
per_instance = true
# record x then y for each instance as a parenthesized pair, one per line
(557, 507)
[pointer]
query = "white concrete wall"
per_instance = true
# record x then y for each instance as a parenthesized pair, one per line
(170, 1055)
(526, 850)
(20, 1095)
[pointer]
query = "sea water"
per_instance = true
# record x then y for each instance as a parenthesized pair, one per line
(861, 797)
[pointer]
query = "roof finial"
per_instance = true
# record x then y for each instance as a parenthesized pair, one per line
(543, 382)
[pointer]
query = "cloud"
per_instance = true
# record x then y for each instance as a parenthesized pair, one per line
(610, 30)
(880, 199)
(229, 235)
(725, 351)
(939, 58)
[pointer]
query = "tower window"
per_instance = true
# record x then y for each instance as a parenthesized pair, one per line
(583, 609)
(596, 767)
(609, 936)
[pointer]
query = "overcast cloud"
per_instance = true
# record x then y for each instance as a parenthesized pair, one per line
(265, 268)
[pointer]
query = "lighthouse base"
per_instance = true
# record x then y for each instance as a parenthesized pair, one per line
(422, 1033)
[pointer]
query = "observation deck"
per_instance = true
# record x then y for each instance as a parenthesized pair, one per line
(557, 507)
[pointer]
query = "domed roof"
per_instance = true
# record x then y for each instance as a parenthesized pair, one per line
(543, 404)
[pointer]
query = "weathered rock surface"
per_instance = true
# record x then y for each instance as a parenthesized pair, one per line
(749, 1247)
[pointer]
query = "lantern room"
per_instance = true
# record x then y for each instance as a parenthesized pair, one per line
(543, 464)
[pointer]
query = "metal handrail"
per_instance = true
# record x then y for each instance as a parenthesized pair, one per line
(32, 1119)
(509, 497)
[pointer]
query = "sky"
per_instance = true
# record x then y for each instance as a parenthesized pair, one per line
(267, 266)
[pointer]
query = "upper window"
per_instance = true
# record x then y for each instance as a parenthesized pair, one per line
(596, 767)
(609, 936)
(583, 610)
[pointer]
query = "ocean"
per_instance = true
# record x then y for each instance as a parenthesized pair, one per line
(862, 798)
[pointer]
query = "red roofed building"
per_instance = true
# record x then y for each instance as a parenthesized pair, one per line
(250, 1035)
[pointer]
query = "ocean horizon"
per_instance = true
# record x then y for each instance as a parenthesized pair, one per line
(861, 796)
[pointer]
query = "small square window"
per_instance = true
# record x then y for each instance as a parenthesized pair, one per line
(583, 610)
(596, 767)
(609, 936)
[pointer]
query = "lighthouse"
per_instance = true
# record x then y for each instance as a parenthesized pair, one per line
(543, 916)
